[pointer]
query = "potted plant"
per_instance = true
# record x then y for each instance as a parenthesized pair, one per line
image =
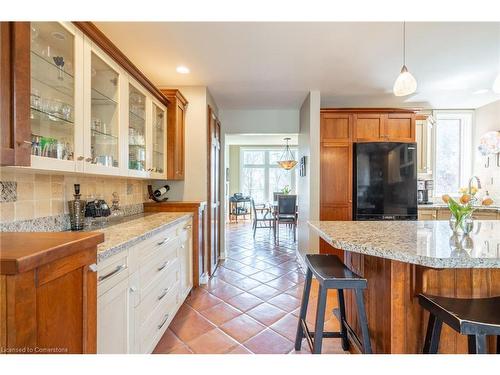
(286, 190)
(461, 211)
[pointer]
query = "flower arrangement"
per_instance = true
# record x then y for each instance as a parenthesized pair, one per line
(461, 210)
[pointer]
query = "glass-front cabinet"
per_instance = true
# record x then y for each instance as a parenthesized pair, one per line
(158, 141)
(86, 113)
(102, 113)
(137, 135)
(55, 97)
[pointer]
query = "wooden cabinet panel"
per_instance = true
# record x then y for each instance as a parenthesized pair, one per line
(336, 174)
(400, 127)
(15, 129)
(427, 215)
(368, 127)
(336, 127)
(176, 116)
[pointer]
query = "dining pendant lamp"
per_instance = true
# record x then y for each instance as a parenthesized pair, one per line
(405, 83)
(287, 160)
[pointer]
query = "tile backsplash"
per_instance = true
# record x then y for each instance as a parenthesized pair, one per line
(27, 195)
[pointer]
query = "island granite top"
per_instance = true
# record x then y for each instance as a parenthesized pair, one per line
(427, 243)
(128, 232)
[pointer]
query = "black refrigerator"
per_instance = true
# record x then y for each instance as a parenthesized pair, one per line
(385, 181)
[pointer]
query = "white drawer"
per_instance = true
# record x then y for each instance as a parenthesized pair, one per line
(156, 263)
(158, 292)
(111, 272)
(158, 322)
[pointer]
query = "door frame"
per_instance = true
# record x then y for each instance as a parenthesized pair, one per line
(212, 116)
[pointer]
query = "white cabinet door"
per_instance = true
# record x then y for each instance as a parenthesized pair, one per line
(424, 146)
(113, 322)
(157, 162)
(103, 80)
(185, 257)
(56, 110)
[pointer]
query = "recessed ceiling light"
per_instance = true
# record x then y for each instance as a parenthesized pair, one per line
(182, 69)
(480, 91)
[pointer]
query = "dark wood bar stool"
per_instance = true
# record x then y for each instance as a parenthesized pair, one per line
(475, 317)
(331, 273)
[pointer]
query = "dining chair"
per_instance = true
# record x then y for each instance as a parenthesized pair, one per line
(276, 194)
(262, 218)
(287, 213)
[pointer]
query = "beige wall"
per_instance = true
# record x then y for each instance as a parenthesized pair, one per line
(487, 118)
(234, 169)
(40, 195)
(308, 186)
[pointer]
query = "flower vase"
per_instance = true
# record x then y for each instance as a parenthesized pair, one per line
(464, 225)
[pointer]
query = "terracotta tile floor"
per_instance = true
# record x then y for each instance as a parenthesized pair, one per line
(251, 304)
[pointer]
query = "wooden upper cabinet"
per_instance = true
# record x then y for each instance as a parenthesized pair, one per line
(400, 127)
(368, 126)
(336, 127)
(15, 129)
(176, 116)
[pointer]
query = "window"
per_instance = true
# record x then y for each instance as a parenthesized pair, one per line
(261, 175)
(452, 151)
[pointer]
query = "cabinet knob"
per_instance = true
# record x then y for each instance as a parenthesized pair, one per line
(88, 160)
(80, 158)
(24, 143)
(133, 289)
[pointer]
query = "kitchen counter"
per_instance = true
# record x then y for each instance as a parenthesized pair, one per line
(425, 243)
(443, 206)
(130, 230)
(400, 260)
(24, 251)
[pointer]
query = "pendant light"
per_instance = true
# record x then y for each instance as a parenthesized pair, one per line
(405, 83)
(287, 160)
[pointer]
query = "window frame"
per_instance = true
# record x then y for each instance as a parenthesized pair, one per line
(466, 153)
(266, 166)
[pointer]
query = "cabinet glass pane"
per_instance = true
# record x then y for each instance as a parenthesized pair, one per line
(137, 130)
(104, 113)
(52, 98)
(158, 139)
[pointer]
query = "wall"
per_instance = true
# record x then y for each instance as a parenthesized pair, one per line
(194, 186)
(260, 121)
(309, 141)
(487, 118)
(42, 195)
(234, 169)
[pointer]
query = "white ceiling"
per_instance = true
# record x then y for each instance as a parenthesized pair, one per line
(353, 64)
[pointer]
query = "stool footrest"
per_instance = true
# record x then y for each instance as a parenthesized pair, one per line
(310, 335)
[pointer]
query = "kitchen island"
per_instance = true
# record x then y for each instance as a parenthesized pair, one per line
(402, 259)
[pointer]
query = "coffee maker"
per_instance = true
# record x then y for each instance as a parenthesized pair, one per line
(424, 191)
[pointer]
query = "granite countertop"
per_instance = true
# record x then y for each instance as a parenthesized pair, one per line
(130, 230)
(442, 205)
(427, 243)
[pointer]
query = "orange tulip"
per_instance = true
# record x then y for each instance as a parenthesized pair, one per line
(445, 198)
(487, 202)
(464, 199)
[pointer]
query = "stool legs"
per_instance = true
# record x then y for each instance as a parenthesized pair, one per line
(303, 310)
(481, 344)
(320, 319)
(343, 329)
(367, 348)
(431, 344)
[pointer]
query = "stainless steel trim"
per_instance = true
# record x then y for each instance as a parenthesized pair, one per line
(163, 321)
(164, 293)
(116, 270)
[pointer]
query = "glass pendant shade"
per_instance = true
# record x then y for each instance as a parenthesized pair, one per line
(405, 83)
(287, 160)
(496, 85)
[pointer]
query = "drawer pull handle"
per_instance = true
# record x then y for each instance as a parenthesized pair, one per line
(165, 291)
(164, 241)
(163, 321)
(163, 265)
(116, 270)
(188, 227)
